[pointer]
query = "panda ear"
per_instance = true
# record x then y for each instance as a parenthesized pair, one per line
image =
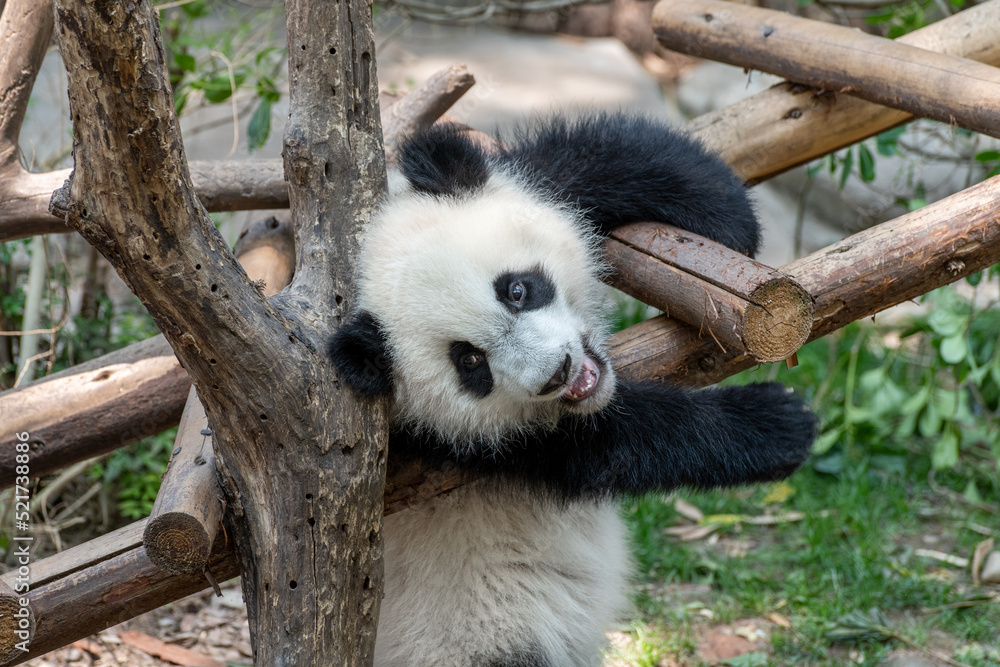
(360, 354)
(619, 169)
(443, 161)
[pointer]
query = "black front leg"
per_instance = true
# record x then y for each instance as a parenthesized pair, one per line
(655, 437)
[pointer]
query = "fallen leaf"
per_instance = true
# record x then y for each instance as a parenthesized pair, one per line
(169, 652)
(957, 561)
(688, 511)
(90, 647)
(978, 556)
(778, 619)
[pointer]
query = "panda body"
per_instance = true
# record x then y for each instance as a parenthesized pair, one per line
(481, 311)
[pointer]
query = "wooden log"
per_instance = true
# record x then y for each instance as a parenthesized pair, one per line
(851, 280)
(231, 185)
(188, 509)
(104, 582)
(74, 416)
(952, 90)
(725, 295)
(17, 622)
(184, 521)
(790, 124)
(424, 106)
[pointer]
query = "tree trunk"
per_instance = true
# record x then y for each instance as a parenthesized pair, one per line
(301, 463)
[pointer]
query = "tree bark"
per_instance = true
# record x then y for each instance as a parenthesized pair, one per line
(302, 464)
(185, 517)
(952, 90)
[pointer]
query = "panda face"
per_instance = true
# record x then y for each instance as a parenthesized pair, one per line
(492, 308)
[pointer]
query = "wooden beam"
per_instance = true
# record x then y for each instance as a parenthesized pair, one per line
(230, 185)
(851, 280)
(790, 124)
(104, 582)
(81, 413)
(953, 90)
(726, 296)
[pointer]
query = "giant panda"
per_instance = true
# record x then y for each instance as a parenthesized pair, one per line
(481, 311)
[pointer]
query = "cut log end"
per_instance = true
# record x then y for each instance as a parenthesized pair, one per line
(177, 543)
(778, 320)
(11, 621)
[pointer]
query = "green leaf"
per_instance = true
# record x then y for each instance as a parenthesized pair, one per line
(867, 164)
(887, 143)
(845, 170)
(974, 278)
(916, 203)
(755, 659)
(219, 88)
(930, 422)
(945, 453)
(916, 402)
(260, 125)
(954, 349)
(988, 156)
(180, 100)
(824, 442)
(184, 62)
(946, 323)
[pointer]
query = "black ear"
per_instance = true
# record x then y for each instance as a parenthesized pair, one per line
(361, 355)
(621, 169)
(443, 161)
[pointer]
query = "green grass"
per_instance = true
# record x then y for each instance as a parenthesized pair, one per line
(893, 475)
(853, 550)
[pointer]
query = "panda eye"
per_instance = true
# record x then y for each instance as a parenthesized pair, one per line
(516, 292)
(472, 360)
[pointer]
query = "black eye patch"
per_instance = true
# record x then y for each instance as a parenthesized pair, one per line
(473, 368)
(524, 291)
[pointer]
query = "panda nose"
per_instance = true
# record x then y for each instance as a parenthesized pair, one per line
(559, 379)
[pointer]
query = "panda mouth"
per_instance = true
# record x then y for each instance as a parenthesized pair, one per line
(585, 383)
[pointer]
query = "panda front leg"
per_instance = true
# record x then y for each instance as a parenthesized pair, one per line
(654, 437)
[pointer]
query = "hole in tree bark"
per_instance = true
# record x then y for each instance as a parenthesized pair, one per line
(333, 51)
(312, 521)
(215, 287)
(309, 496)
(197, 267)
(293, 584)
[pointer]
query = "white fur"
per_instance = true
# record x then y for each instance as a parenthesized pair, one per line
(490, 570)
(427, 271)
(468, 577)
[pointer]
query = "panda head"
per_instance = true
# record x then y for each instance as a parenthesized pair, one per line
(480, 302)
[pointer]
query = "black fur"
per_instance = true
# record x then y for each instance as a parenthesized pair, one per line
(537, 291)
(360, 355)
(476, 378)
(443, 161)
(653, 437)
(620, 168)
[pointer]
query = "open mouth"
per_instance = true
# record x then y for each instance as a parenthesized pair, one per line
(585, 383)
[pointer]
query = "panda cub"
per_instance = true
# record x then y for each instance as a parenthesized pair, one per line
(481, 311)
